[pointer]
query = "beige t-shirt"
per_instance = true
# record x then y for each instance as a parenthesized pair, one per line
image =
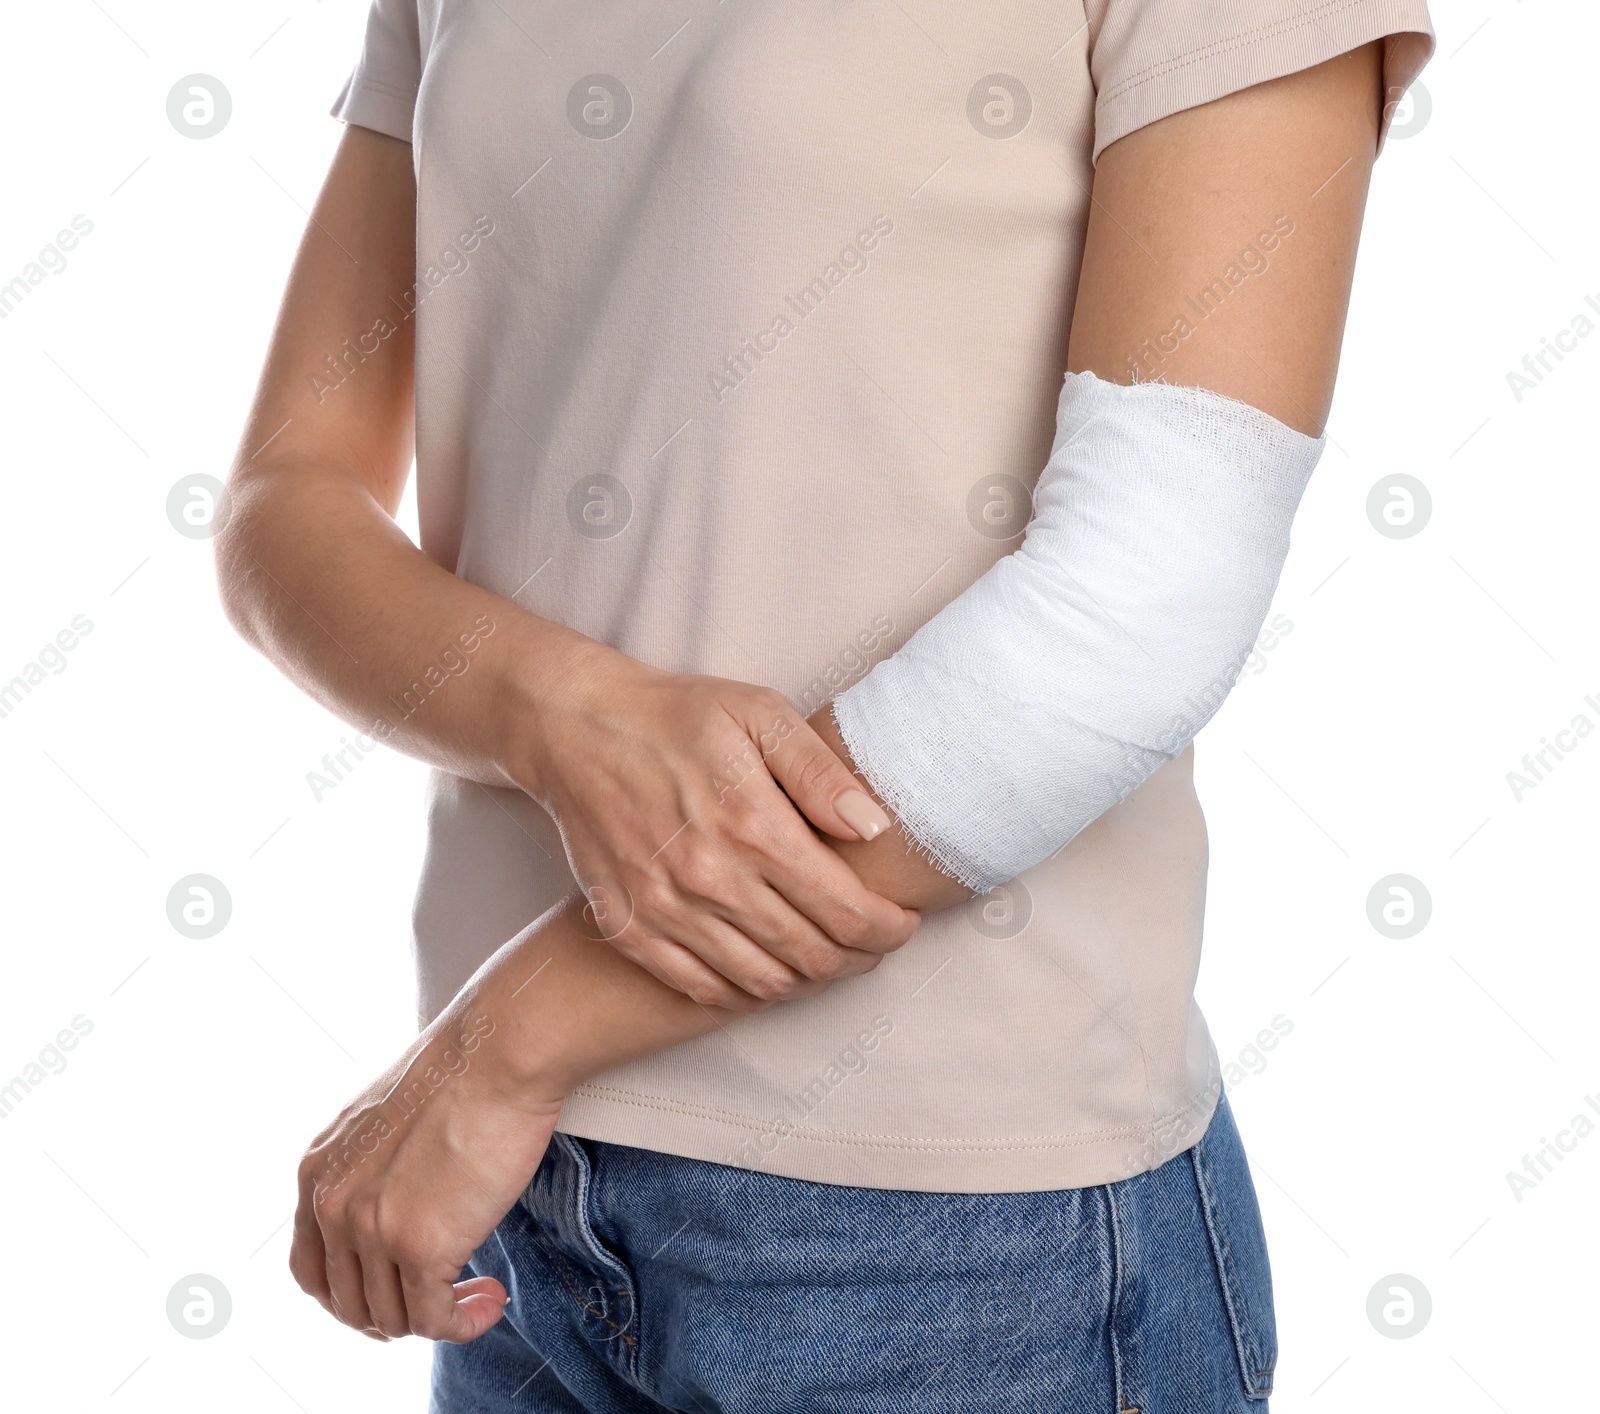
(740, 329)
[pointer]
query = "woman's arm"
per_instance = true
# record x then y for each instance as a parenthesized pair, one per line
(1177, 206)
(745, 904)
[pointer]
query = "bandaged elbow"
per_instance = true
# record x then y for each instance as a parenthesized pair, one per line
(1081, 663)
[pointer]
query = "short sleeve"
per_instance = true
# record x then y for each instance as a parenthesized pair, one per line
(381, 92)
(1153, 58)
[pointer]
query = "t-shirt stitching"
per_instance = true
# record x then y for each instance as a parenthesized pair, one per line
(822, 1136)
(407, 94)
(1269, 30)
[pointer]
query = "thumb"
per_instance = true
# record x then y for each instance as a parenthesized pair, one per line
(479, 1303)
(813, 766)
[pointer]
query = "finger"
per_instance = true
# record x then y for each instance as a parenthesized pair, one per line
(308, 1258)
(780, 933)
(816, 780)
(819, 884)
(347, 1283)
(386, 1303)
(439, 1309)
(676, 966)
(749, 959)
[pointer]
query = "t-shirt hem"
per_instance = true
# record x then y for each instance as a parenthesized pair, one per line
(1257, 55)
(369, 102)
(923, 1164)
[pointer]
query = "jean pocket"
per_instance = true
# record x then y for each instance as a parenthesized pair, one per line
(596, 1275)
(1238, 1248)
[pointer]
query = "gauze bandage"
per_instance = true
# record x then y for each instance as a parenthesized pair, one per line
(1080, 663)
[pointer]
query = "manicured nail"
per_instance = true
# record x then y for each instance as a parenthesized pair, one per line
(861, 813)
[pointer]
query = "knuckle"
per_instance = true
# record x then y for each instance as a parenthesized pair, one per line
(827, 964)
(410, 1250)
(771, 985)
(757, 830)
(863, 962)
(814, 771)
(732, 998)
(332, 1206)
(391, 1230)
(771, 702)
(654, 901)
(852, 928)
(362, 1221)
(708, 992)
(698, 870)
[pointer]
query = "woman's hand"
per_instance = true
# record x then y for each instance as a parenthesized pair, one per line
(677, 797)
(416, 1172)
(401, 1189)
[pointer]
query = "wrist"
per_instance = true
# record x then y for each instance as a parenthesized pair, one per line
(537, 684)
(480, 1038)
(523, 1010)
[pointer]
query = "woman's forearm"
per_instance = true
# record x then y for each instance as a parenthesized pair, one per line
(314, 571)
(558, 1005)
(319, 578)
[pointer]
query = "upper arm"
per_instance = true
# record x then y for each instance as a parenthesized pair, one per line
(336, 388)
(1222, 241)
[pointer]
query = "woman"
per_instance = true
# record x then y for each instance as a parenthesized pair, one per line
(737, 340)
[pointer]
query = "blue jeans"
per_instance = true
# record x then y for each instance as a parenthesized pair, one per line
(646, 1282)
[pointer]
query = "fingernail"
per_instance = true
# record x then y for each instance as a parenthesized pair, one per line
(861, 813)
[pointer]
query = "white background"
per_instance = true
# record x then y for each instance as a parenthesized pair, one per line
(1375, 740)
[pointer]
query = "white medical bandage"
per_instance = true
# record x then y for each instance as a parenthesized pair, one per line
(1079, 664)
